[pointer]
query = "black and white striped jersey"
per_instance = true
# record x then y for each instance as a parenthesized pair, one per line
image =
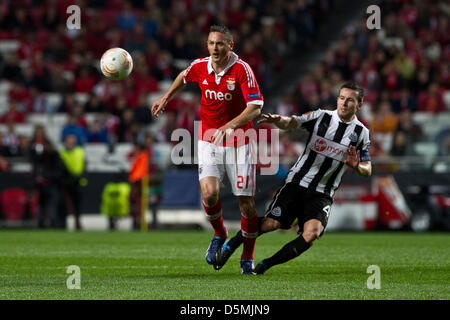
(321, 165)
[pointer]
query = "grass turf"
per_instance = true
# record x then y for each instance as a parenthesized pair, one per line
(171, 265)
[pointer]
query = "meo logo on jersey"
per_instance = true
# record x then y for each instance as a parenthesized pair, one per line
(213, 95)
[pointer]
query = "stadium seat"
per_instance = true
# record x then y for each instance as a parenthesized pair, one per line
(13, 204)
(81, 98)
(91, 116)
(38, 118)
(95, 152)
(151, 97)
(25, 129)
(421, 117)
(8, 46)
(165, 85)
(443, 119)
(164, 150)
(446, 97)
(5, 86)
(58, 119)
(426, 148)
(54, 99)
(431, 128)
(4, 105)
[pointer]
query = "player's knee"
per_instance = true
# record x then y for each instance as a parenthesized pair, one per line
(311, 235)
(270, 225)
(247, 207)
(210, 198)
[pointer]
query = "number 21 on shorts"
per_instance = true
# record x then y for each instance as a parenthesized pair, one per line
(240, 182)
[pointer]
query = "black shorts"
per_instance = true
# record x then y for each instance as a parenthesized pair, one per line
(293, 201)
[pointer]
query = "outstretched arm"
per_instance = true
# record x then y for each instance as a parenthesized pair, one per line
(282, 122)
(160, 104)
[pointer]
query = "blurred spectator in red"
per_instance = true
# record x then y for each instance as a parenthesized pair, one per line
(390, 77)
(187, 114)
(84, 81)
(253, 57)
(431, 100)
(287, 150)
(20, 94)
(13, 115)
(169, 126)
(326, 94)
(308, 86)
(235, 14)
(367, 76)
(287, 107)
(144, 81)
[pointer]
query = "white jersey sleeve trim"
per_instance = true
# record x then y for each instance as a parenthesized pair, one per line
(257, 102)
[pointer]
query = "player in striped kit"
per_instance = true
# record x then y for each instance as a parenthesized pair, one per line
(231, 99)
(337, 140)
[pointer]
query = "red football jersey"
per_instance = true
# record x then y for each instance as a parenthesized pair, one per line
(224, 95)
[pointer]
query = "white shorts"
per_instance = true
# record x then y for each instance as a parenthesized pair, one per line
(238, 162)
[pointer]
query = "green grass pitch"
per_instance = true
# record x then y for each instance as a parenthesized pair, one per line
(171, 265)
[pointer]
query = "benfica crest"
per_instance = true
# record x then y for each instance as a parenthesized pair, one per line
(231, 84)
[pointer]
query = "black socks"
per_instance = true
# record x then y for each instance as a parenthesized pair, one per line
(290, 251)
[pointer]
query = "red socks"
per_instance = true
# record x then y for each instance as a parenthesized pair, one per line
(214, 215)
(249, 229)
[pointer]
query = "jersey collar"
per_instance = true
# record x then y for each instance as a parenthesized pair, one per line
(354, 120)
(234, 57)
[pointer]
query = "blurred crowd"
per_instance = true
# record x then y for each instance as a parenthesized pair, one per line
(404, 69)
(162, 36)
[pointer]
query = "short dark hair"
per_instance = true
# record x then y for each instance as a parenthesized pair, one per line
(356, 87)
(222, 29)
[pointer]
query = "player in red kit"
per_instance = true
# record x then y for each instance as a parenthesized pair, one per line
(231, 99)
